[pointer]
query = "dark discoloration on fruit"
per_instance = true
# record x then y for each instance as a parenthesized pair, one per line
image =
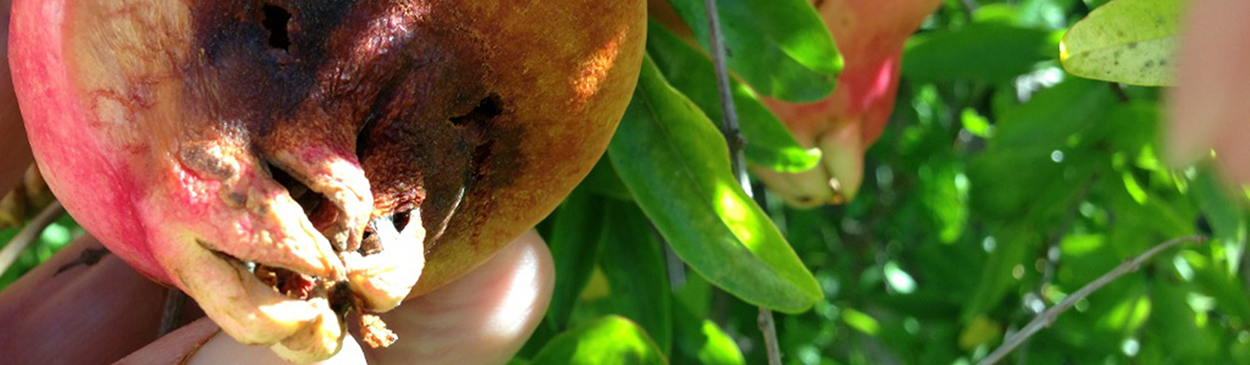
(411, 93)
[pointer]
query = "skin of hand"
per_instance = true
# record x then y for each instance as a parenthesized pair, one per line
(106, 311)
(1208, 108)
(15, 154)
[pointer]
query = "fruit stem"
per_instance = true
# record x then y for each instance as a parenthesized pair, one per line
(733, 138)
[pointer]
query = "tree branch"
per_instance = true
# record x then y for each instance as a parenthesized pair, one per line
(733, 137)
(29, 234)
(1051, 314)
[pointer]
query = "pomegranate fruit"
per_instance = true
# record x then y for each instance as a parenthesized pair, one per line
(870, 35)
(286, 162)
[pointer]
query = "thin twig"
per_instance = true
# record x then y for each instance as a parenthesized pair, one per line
(1051, 314)
(729, 118)
(733, 137)
(29, 234)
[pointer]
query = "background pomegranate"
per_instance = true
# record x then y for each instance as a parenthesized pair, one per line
(317, 148)
(870, 35)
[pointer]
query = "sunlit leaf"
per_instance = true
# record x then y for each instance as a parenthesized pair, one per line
(1128, 41)
(769, 144)
(676, 165)
(700, 341)
(611, 340)
(779, 47)
(861, 321)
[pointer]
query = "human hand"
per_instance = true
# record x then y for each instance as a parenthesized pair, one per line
(1208, 108)
(105, 311)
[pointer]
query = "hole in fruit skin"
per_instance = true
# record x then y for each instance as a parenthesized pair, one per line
(478, 120)
(488, 108)
(275, 19)
(307, 199)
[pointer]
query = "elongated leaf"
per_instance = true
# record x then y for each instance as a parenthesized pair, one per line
(576, 241)
(980, 51)
(780, 47)
(1227, 219)
(1128, 41)
(997, 277)
(700, 341)
(676, 165)
(633, 262)
(610, 340)
(769, 144)
(603, 180)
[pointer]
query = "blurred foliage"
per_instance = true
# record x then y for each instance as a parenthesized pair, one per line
(56, 236)
(1001, 185)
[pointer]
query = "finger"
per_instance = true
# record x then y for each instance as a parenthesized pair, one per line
(95, 313)
(14, 152)
(219, 348)
(202, 342)
(1208, 105)
(482, 318)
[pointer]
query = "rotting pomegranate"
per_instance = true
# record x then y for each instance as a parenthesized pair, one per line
(870, 35)
(286, 162)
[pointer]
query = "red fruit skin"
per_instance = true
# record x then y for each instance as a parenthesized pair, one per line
(870, 35)
(105, 194)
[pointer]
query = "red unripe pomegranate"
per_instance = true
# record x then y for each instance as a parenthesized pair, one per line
(286, 162)
(870, 35)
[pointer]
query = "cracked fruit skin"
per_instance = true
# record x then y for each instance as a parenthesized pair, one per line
(285, 162)
(870, 35)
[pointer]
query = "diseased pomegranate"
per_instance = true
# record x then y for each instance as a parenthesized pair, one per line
(286, 162)
(870, 35)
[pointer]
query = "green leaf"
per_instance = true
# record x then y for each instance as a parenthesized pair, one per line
(769, 143)
(780, 47)
(1045, 13)
(603, 180)
(676, 165)
(610, 340)
(1175, 323)
(719, 348)
(633, 262)
(1053, 116)
(1228, 221)
(999, 276)
(1034, 142)
(577, 237)
(700, 341)
(1128, 41)
(986, 52)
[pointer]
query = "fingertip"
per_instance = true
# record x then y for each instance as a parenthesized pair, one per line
(1206, 105)
(483, 317)
(222, 349)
